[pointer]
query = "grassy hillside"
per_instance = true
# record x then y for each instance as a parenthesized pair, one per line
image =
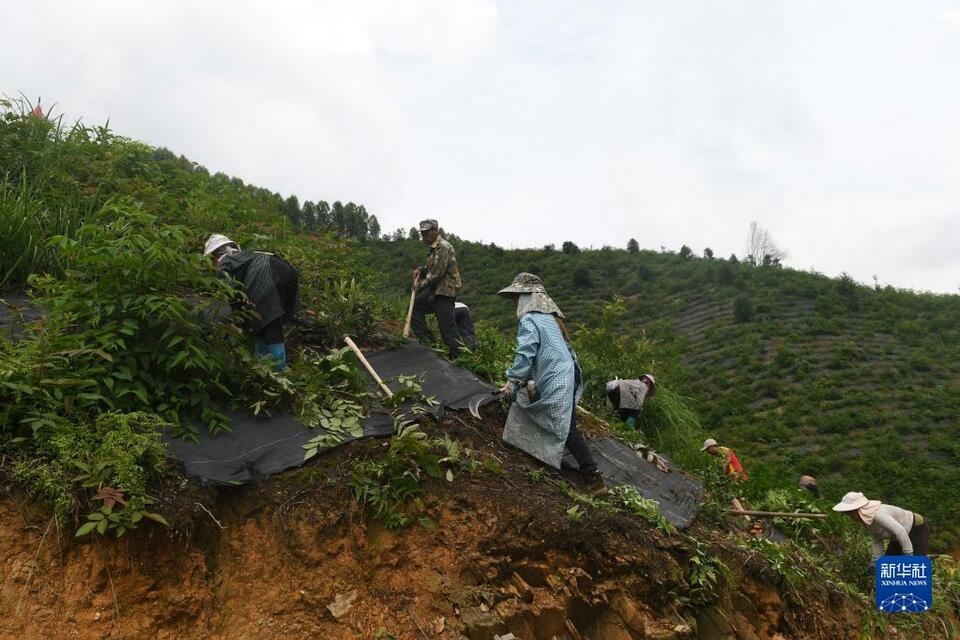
(105, 233)
(799, 372)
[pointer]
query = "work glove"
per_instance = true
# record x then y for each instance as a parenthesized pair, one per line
(509, 391)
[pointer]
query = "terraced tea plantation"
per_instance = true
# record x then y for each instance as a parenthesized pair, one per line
(857, 385)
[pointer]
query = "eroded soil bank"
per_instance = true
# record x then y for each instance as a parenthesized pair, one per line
(501, 557)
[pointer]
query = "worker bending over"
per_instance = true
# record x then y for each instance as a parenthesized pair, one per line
(731, 466)
(271, 284)
(626, 397)
(906, 531)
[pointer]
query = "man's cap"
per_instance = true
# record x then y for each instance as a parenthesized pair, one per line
(709, 442)
(428, 225)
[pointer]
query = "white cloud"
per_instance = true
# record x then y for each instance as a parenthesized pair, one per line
(833, 125)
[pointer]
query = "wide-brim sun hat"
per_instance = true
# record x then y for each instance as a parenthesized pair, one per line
(214, 242)
(524, 283)
(709, 442)
(851, 502)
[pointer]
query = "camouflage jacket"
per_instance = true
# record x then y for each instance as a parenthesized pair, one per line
(440, 276)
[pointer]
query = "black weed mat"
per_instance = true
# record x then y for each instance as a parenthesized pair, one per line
(258, 447)
(679, 494)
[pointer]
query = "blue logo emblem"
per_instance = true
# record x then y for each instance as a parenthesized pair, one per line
(904, 584)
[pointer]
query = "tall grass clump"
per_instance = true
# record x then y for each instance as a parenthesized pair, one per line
(38, 197)
(606, 352)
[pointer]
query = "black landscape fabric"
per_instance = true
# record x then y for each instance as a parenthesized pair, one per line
(679, 494)
(258, 447)
(450, 385)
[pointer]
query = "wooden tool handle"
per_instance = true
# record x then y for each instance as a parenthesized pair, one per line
(366, 364)
(406, 327)
(775, 514)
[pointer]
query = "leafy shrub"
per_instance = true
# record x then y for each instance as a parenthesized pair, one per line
(743, 309)
(121, 452)
(492, 357)
(582, 278)
(644, 273)
(630, 499)
(389, 488)
(345, 307)
(122, 334)
(725, 273)
(707, 575)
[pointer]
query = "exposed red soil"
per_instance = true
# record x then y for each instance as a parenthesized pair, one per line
(503, 557)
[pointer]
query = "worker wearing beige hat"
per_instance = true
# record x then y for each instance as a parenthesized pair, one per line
(907, 532)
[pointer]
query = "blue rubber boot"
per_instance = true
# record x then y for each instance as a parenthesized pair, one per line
(277, 352)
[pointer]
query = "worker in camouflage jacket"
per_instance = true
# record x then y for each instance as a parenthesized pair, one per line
(436, 283)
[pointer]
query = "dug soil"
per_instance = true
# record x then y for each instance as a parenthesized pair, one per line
(296, 557)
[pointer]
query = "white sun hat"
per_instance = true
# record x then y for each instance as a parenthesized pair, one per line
(709, 442)
(852, 501)
(216, 241)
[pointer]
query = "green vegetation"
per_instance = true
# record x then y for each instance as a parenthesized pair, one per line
(105, 233)
(798, 372)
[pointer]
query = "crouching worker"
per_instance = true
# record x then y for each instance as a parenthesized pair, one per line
(271, 284)
(468, 335)
(545, 382)
(626, 397)
(731, 466)
(907, 532)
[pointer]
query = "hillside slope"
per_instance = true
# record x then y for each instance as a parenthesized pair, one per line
(130, 345)
(858, 386)
(500, 555)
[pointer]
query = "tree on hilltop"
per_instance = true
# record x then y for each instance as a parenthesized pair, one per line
(761, 250)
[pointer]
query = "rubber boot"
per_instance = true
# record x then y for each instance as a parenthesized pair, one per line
(277, 352)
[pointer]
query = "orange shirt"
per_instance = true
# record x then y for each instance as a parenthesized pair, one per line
(731, 464)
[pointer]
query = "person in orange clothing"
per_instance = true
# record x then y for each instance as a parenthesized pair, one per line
(731, 466)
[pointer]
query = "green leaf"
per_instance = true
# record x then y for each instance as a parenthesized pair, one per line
(95, 516)
(102, 527)
(156, 517)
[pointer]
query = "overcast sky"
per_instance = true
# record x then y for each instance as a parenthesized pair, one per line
(835, 125)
